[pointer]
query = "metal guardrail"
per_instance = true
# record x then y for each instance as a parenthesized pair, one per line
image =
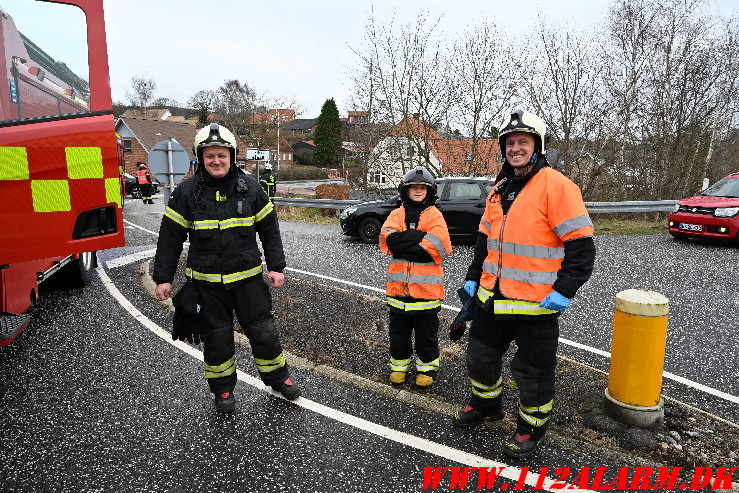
(318, 203)
(593, 207)
(631, 206)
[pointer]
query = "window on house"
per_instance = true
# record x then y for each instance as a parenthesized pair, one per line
(127, 145)
(284, 118)
(378, 177)
(468, 156)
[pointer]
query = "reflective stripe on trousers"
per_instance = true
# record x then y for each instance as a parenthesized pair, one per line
(268, 365)
(222, 370)
(536, 416)
(486, 391)
(414, 306)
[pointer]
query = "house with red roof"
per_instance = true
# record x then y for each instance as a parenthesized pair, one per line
(413, 142)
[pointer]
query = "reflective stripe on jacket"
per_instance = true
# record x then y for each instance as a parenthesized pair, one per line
(526, 246)
(141, 177)
(222, 225)
(423, 281)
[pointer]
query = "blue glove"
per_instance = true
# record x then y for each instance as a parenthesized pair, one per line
(471, 288)
(555, 301)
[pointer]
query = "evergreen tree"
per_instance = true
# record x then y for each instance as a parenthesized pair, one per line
(328, 150)
(202, 117)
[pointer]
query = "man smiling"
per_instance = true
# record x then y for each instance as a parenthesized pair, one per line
(534, 250)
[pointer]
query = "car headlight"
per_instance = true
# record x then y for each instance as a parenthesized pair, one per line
(347, 212)
(726, 211)
(676, 208)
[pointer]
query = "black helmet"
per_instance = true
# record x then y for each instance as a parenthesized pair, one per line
(418, 176)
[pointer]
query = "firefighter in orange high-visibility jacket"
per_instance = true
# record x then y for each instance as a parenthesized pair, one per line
(417, 237)
(143, 178)
(534, 250)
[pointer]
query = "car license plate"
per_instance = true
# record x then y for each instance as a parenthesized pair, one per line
(691, 227)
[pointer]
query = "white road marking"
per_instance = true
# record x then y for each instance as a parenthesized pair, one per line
(130, 258)
(671, 376)
(445, 452)
(600, 352)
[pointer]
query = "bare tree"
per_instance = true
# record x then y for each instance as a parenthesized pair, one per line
(673, 73)
(235, 104)
(564, 89)
(202, 100)
(164, 102)
(404, 76)
(142, 92)
(481, 69)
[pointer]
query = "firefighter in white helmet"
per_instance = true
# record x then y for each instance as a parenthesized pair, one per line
(268, 181)
(223, 210)
(534, 250)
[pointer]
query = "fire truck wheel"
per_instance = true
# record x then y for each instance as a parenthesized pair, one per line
(78, 272)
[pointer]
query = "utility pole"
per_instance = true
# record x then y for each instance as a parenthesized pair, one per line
(278, 140)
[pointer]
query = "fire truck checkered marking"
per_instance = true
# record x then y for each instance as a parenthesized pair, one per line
(54, 195)
(50, 195)
(113, 190)
(13, 163)
(84, 162)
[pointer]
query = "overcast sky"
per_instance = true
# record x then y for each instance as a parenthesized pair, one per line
(300, 50)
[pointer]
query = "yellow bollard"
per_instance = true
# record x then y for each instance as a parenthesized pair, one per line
(637, 358)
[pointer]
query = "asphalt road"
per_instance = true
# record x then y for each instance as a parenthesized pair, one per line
(94, 397)
(699, 279)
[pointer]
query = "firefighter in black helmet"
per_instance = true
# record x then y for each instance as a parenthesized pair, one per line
(223, 209)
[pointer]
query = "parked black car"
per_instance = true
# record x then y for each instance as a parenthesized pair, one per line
(134, 189)
(461, 201)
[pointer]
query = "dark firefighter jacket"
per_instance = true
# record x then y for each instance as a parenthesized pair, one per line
(222, 218)
(269, 183)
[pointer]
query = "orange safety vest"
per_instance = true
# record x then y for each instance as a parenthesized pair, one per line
(142, 178)
(423, 281)
(526, 246)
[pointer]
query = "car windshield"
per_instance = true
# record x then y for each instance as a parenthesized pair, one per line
(726, 187)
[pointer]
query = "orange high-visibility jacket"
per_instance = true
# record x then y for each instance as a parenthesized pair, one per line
(526, 246)
(143, 179)
(419, 280)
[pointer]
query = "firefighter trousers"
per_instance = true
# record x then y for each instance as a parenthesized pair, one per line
(424, 325)
(252, 303)
(146, 190)
(532, 365)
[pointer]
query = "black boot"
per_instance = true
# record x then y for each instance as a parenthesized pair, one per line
(468, 416)
(524, 442)
(288, 389)
(225, 402)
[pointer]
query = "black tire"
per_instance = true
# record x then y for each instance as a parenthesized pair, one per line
(369, 230)
(78, 272)
(135, 192)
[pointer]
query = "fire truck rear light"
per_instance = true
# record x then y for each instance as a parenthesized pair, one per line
(95, 222)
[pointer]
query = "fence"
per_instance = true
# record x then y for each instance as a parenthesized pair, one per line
(593, 207)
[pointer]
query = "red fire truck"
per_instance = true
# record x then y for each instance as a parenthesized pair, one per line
(60, 198)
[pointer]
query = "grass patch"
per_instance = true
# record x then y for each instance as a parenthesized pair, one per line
(629, 226)
(307, 215)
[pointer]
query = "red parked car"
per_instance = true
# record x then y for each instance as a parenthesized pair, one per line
(713, 214)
